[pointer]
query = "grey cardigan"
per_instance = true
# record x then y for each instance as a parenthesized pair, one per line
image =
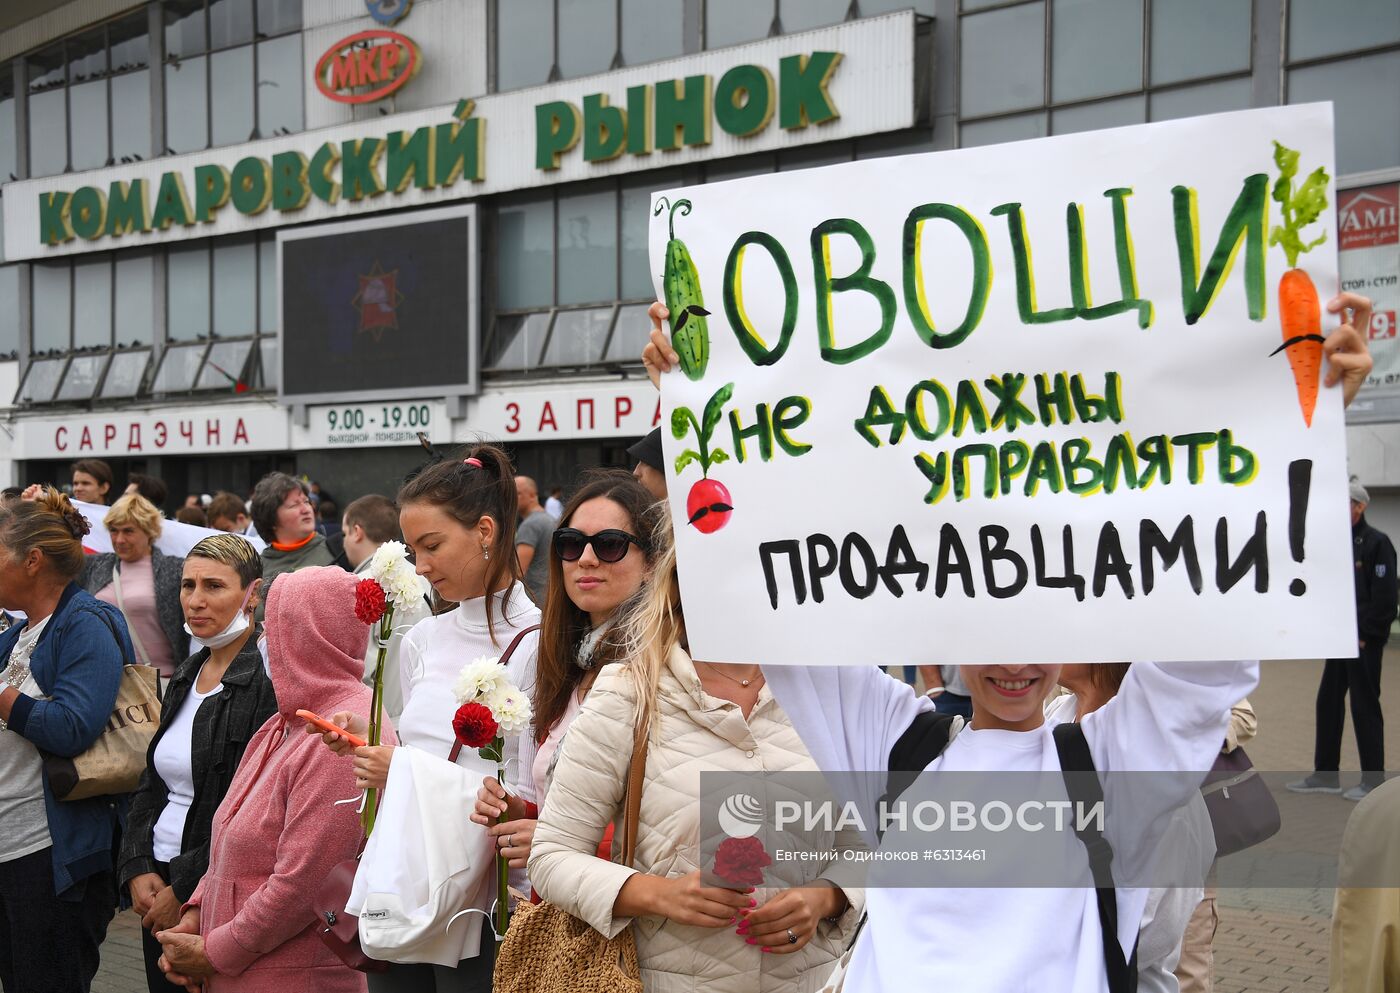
(166, 571)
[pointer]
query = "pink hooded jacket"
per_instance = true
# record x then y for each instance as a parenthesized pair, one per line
(278, 832)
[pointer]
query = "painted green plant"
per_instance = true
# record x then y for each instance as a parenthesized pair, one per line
(708, 505)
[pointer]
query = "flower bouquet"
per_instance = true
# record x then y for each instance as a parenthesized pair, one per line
(392, 584)
(491, 707)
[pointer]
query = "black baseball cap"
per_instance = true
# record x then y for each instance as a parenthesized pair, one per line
(648, 450)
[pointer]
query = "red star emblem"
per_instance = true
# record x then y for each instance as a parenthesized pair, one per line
(378, 300)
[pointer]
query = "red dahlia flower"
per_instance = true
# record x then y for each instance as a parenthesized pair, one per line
(741, 861)
(369, 601)
(474, 725)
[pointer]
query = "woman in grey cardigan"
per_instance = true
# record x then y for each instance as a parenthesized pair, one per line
(142, 583)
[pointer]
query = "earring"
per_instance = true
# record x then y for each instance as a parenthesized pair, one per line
(485, 553)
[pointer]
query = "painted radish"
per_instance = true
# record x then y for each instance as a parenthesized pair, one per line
(709, 506)
(1300, 310)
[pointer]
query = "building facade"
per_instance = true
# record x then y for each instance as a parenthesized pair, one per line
(316, 235)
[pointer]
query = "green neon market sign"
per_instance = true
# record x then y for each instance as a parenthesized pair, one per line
(664, 116)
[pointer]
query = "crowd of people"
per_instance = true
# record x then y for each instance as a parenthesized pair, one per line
(241, 812)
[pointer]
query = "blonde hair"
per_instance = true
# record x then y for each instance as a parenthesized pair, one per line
(232, 550)
(135, 509)
(651, 623)
(49, 523)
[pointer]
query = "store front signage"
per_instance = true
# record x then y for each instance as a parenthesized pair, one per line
(371, 425)
(680, 112)
(1368, 227)
(836, 83)
(241, 428)
(388, 12)
(383, 61)
(625, 411)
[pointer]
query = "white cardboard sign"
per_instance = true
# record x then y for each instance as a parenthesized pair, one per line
(1039, 402)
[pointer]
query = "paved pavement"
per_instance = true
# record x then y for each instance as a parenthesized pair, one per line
(1270, 940)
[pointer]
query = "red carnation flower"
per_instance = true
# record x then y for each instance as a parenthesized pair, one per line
(369, 601)
(741, 861)
(474, 725)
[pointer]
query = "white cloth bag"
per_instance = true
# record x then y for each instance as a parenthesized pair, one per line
(424, 863)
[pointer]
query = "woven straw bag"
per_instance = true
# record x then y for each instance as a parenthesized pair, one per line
(549, 951)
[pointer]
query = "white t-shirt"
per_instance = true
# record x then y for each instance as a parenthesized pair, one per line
(175, 764)
(1167, 716)
(21, 771)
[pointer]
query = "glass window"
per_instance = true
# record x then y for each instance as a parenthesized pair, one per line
(235, 287)
(178, 368)
(134, 312)
(48, 133)
(1104, 114)
(87, 56)
(733, 22)
(87, 108)
(187, 293)
(184, 28)
(279, 86)
(1097, 48)
(869, 8)
(588, 246)
(9, 315)
(1003, 60)
(269, 371)
(1195, 38)
(131, 43)
(968, 4)
(651, 30)
(587, 37)
(525, 243)
(278, 17)
(801, 15)
(516, 343)
(636, 228)
(1362, 142)
(84, 373)
(896, 143)
(1206, 98)
(230, 22)
(186, 112)
(1016, 128)
(524, 46)
(52, 289)
(231, 89)
(223, 369)
(41, 380)
(1335, 27)
(125, 373)
(131, 115)
(9, 137)
(630, 334)
(92, 303)
(579, 337)
(267, 285)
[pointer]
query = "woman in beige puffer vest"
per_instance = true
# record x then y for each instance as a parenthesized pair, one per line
(703, 717)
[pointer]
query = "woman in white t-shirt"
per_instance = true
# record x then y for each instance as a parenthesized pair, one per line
(598, 559)
(458, 520)
(216, 700)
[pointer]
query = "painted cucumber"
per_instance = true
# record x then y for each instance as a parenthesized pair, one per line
(690, 332)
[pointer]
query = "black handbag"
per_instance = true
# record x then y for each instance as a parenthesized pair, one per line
(1242, 810)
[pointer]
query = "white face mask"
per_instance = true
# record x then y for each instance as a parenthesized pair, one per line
(262, 650)
(229, 634)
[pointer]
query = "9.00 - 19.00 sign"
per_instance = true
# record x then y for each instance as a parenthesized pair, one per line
(342, 425)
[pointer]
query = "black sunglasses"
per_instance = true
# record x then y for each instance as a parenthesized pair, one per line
(609, 545)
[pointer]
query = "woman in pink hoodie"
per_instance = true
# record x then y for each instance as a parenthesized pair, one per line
(250, 926)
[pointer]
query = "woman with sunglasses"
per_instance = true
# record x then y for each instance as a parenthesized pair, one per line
(458, 518)
(597, 563)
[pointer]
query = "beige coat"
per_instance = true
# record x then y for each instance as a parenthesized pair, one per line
(1366, 915)
(696, 733)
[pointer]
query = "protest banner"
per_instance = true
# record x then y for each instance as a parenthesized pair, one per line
(175, 538)
(1058, 400)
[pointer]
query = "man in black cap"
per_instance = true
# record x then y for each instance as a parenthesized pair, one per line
(649, 469)
(1374, 558)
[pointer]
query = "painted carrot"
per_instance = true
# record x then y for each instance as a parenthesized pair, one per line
(1300, 310)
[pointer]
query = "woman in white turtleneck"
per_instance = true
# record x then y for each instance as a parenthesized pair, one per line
(458, 520)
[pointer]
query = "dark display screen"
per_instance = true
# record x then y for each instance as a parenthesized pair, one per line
(377, 308)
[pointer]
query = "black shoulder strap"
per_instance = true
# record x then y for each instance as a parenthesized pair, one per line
(1082, 783)
(922, 742)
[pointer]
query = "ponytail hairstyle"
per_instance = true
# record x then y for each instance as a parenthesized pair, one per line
(652, 623)
(49, 523)
(477, 483)
(563, 625)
